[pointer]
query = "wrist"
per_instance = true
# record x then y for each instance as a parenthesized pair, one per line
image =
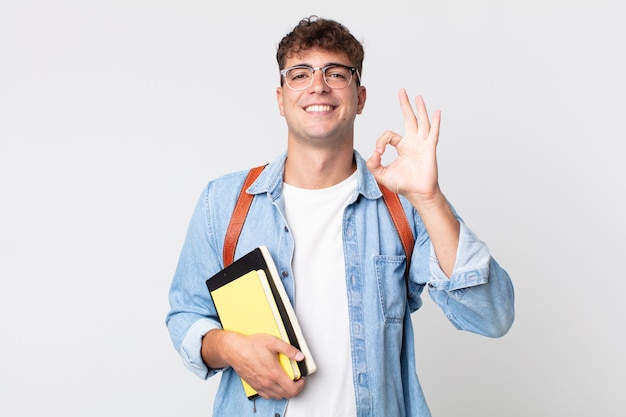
(213, 349)
(434, 200)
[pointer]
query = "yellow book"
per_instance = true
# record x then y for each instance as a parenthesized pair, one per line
(250, 299)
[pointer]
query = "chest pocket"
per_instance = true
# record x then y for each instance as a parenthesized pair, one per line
(392, 291)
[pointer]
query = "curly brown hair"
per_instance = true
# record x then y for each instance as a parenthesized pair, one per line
(326, 34)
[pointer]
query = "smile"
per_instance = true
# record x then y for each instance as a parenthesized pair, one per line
(318, 108)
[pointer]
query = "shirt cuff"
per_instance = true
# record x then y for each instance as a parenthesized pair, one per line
(471, 267)
(191, 348)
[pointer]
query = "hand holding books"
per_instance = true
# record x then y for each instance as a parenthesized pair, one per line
(254, 359)
(250, 299)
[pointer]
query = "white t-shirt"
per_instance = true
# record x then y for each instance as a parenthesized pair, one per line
(315, 218)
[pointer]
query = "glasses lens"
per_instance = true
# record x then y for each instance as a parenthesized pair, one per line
(299, 78)
(337, 76)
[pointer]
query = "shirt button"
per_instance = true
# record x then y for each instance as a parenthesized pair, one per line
(362, 379)
(285, 274)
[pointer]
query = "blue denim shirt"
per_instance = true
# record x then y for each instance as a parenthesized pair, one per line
(478, 297)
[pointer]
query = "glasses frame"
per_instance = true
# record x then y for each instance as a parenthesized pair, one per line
(353, 70)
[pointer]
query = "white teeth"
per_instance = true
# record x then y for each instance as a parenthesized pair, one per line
(318, 108)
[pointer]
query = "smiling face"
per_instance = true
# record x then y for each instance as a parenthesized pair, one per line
(320, 115)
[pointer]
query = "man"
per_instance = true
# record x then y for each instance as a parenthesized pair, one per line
(319, 210)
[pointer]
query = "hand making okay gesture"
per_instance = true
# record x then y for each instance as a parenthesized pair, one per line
(414, 172)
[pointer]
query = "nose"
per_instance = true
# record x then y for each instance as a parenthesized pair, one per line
(318, 83)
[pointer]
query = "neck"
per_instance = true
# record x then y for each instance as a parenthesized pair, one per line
(319, 168)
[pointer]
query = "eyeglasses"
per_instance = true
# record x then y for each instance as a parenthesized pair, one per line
(336, 76)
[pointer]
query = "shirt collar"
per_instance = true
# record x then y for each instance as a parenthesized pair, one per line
(271, 179)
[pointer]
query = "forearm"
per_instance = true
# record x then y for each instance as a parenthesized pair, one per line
(442, 227)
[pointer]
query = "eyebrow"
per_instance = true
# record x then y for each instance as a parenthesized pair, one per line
(304, 64)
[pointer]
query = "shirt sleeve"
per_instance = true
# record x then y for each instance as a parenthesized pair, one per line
(478, 297)
(192, 313)
(191, 347)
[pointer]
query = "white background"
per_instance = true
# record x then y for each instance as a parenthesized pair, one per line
(114, 114)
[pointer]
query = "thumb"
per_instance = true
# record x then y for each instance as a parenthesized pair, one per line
(374, 164)
(299, 356)
(288, 350)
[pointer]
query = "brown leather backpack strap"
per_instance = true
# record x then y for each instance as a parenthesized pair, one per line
(402, 225)
(392, 201)
(239, 216)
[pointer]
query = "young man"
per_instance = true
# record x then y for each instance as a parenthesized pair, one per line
(319, 210)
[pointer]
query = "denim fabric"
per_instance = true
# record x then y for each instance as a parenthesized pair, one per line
(478, 297)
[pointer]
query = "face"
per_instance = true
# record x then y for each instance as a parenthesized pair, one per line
(319, 114)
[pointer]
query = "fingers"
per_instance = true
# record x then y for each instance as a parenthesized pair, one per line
(420, 130)
(418, 122)
(434, 128)
(278, 386)
(262, 370)
(280, 391)
(422, 114)
(374, 162)
(430, 126)
(286, 349)
(387, 138)
(410, 121)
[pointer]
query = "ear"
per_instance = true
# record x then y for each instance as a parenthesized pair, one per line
(279, 100)
(361, 96)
